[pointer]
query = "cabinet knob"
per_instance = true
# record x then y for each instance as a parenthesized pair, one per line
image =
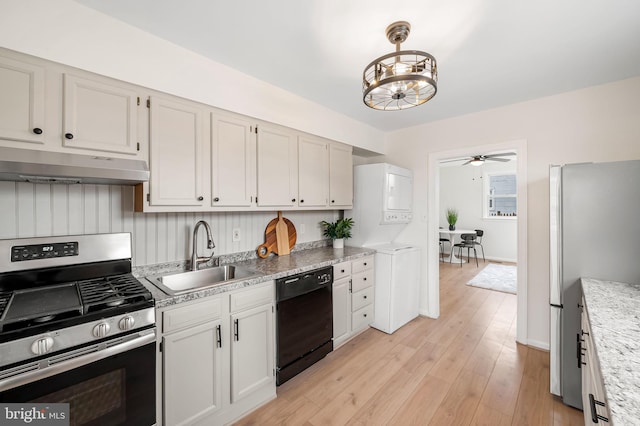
(37, 131)
(365, 315)
(365, 263)
(333, 201)
(342, 271)
(365, 297)
(216, 199)
(68, 135)
(293, 200)
(200, 198)
(302, 201)
(364, 279)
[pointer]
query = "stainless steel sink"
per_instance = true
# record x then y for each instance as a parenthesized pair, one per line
(185, 282)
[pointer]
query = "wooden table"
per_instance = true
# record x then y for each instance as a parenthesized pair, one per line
(452, 234)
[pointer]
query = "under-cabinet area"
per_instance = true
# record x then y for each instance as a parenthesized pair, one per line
(200, 158)
(607, 352)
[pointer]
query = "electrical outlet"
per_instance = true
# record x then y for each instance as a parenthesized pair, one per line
(236, 235)
(302, 228)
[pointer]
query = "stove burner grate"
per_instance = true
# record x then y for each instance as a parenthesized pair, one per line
(106, 292)
(4, 301)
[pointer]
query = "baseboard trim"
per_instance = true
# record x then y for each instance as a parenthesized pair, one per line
(425, 313)
(544, 346)
(501, 259)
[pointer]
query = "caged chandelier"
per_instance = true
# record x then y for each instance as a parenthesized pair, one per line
(399, 80)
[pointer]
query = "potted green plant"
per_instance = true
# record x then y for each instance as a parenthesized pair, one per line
(452, 218)
(338, 230)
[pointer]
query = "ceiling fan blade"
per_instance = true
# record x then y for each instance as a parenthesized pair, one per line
(504, 154)
(497, 159)
(452, 160)
(464, 164)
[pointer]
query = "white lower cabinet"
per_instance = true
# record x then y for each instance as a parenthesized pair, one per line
(353, 295)
(252, 351)
(183, 350)
(341, 311)
(594, 403)
(217, 357)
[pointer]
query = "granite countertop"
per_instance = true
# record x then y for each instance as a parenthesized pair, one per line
(271, 268)
(613, 309)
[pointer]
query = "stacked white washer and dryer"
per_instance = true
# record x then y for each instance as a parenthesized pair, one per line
(382, 208)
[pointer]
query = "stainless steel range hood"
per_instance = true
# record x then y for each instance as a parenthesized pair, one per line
(26, 165)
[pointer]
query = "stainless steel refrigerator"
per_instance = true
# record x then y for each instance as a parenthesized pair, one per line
(595, 233)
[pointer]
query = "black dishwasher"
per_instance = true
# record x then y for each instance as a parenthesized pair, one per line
(304, 311)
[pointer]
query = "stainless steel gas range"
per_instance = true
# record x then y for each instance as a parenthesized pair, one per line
(76, 327)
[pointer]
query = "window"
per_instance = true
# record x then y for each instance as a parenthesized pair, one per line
(500, 195)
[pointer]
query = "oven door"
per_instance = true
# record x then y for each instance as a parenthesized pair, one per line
(114, 384)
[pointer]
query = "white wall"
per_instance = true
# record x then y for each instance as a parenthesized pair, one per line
(595, 124)
(67, 32)
(40, 210)
(461, 188)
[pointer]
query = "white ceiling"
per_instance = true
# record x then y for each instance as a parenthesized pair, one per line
(490, 52)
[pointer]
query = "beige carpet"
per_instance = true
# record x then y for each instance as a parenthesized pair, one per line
(496, 277)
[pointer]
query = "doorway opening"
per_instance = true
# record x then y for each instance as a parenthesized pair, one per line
(437, 219)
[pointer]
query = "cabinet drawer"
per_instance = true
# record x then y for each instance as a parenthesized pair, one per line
(362, 318)
(254, 296)
(362, 280)
(359, 265)
(187, 316)
(361, 299)
(341, 270)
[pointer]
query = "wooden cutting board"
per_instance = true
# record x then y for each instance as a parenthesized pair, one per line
(282, 236)
(270, 238)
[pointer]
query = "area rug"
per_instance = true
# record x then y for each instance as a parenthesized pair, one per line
(496, 277)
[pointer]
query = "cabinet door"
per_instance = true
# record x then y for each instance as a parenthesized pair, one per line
(192, 373)
(341, 311)
(21, 101)
(233, 153)
(340, 175)
(252, 352)
(99, 116)
(313, 172)
(277, 167)
(175, 153)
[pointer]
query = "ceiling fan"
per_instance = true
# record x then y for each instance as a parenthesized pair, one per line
(478, 160)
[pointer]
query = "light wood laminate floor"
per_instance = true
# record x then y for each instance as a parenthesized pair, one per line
(464, 368)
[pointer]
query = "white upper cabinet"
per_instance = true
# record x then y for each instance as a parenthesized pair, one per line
(99, 115)
(313, 172)
(277, 166)
(233, 160)
(200, 158)
(175, 153)
(340, 176)
(21, 101)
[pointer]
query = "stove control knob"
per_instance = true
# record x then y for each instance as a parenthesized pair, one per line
(42, 346)
(126, 323)
(101, 330)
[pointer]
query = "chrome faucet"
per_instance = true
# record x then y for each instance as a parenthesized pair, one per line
(195, 259)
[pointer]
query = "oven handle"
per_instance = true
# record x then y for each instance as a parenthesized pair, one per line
(70, 364)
